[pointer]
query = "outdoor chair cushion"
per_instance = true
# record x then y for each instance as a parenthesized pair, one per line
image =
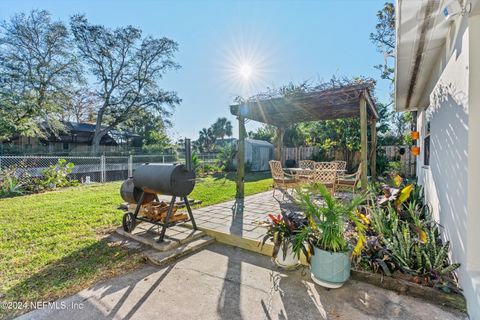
(328, 185)
(346, 182)
(286, 180)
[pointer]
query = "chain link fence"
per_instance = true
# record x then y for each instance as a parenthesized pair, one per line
(86, 169)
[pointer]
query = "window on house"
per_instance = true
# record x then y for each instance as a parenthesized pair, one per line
(65, 146)
(426, 146)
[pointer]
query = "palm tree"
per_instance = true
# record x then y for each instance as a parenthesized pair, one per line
(222, 127)
(206, 139)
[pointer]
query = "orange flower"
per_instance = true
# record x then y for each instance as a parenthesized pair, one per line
(275, 219)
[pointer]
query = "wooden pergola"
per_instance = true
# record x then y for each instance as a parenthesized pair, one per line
(351, 101)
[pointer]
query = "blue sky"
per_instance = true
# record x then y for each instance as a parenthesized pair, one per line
(280, 41)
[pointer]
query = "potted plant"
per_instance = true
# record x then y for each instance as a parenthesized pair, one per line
(282, 230)
(326, 240)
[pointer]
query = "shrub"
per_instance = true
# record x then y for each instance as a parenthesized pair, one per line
(226, 156)
(10, 184)
(402, 236)
(57, 176)
(382, 162)
(394, 167)
(328, 224)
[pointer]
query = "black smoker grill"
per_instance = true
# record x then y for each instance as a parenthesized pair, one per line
(176, 180)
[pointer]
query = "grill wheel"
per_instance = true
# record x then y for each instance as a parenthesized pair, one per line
(129, 222)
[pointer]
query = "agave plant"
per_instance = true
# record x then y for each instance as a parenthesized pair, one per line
(327, 224)
(404, 250)
(435, 262)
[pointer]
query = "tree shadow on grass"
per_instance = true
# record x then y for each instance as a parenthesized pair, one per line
(74, 272)
(99, 288)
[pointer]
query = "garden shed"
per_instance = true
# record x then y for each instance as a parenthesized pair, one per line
(257, 155)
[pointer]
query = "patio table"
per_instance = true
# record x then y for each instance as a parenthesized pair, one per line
(305, 173)
(294, 171)
(300, 173)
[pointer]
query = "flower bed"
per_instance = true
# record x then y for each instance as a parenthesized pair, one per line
(389, 234)
(403, 239)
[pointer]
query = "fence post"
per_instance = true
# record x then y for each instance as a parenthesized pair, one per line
(102, 168)
(163, 158)
(130, 166)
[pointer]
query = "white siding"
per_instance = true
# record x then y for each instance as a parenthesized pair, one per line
(448, 177)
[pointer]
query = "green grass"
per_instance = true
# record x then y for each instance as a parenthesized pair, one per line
(51, 244)
(221, 187)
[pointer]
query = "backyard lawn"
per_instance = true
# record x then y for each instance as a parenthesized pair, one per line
(51, 243)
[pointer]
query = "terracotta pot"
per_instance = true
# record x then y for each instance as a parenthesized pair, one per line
(415, 151)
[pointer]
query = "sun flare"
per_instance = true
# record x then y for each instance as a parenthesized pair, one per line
(245, 70)
(246, 62)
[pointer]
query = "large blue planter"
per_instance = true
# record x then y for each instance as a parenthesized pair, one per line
(330, 269)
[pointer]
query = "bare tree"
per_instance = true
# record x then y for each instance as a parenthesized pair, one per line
(81, 106)
(37, 69)
(127, 68)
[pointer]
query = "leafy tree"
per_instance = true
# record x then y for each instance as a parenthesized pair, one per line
(294, 136)
(384, 39)
(384, 118)
(38, 68)
(265, 133)
(401, 122)
(340, 134)
(221, 128)
(151, 131)
(127, 69)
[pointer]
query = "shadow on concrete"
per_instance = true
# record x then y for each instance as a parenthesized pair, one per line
(295, 292)
(224, 282)
(112, 314)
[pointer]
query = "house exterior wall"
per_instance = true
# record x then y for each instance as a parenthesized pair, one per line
(452, 177)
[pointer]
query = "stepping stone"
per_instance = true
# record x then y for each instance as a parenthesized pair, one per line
(162, 258)
(174, 236)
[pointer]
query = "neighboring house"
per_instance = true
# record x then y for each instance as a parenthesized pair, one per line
(77, 138)
(438, 76)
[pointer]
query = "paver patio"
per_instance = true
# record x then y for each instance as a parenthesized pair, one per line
(243, 219)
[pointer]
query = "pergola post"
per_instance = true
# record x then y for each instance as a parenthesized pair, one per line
(241, 158)
(279, 142)
(373, 158)
(363, 142)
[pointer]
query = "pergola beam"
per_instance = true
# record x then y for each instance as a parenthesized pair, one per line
(240, 194)
(363, 142)
(279, 143)
(373, 157)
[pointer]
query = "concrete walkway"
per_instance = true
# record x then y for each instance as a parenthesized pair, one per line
(223, 282)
